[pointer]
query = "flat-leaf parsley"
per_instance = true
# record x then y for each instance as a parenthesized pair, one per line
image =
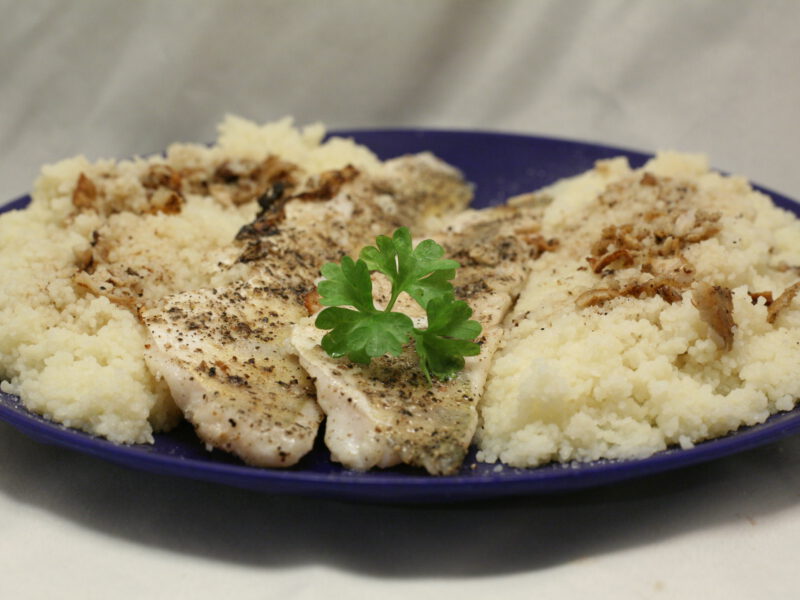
(360, 331)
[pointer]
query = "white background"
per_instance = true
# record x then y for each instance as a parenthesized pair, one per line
(121, 78)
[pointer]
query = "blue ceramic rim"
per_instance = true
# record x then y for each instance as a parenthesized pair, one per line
(380, 485)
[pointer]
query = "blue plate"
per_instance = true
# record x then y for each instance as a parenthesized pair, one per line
(500, 165)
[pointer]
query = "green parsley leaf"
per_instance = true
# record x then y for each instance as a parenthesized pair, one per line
(348, 284)
(448, 339)
(435, 285)
(363, 336)
(421, 272)
(363, 332)
(451, 319)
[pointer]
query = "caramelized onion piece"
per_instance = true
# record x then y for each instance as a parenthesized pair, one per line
(85, 193)
(595, 297)
(767, 296)
(715, 304)
(782, 301)
(622, 255)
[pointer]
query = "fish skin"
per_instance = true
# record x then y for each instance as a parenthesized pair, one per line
(386, 413)
(225, 353)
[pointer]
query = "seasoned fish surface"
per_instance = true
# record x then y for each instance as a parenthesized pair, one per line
(386, 413)
(225, 353)
(222, 352)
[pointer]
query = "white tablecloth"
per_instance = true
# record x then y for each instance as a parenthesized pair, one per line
(121, 78)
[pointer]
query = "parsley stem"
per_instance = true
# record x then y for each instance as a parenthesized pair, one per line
(395, 295)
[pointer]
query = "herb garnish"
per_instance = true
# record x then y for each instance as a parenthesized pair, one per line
(363, 332)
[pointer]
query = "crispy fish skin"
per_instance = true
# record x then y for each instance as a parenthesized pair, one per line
(261, 406)
(386, 413)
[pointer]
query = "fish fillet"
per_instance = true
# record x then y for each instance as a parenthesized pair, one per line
(225, 353)
(386, 413)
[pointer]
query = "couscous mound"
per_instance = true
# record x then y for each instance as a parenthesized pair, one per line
(664, 318)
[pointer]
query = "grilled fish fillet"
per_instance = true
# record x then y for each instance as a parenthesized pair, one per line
(386, 413)
(225, 353)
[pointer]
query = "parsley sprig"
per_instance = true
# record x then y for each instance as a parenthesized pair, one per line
(362, 332)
